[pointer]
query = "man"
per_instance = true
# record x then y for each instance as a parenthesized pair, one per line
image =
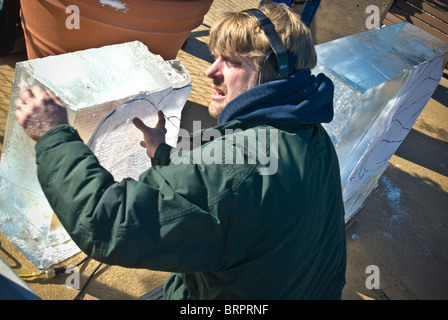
(226, 229)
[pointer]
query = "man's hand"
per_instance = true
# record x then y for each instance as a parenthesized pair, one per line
(153, 137)
(38, 111)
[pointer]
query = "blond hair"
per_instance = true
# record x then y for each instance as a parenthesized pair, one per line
(238, 34)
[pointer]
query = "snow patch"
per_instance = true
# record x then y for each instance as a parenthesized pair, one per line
(393, 194)
(116, 4)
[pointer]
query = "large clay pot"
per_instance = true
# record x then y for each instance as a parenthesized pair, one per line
(162, 25)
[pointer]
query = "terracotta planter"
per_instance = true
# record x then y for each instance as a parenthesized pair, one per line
(162, 25)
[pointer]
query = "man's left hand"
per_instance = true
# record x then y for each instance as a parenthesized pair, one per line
(38, 111)
(152, 137)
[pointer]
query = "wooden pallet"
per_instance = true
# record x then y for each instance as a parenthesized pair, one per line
(428, 15)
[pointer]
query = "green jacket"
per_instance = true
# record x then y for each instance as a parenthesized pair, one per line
(256, 213)
(225, 230)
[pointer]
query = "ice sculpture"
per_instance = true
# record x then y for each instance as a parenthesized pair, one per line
(383, 80)
(108, 85)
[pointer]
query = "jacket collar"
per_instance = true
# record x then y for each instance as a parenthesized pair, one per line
(300, 98)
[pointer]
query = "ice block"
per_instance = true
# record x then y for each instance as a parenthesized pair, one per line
(98, 87)
(383, 79)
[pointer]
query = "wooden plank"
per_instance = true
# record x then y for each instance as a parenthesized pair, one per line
(419, 14)
(432, 10)
(442, 4)
(386, 10)
(387, 22)
(414, 12)
(418, 23)
(392, 19)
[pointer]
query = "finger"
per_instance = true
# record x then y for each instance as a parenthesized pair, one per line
(19, 103)
(20, 117)
(38, 92)
(162, 121)
(143, 144)
(139, 124)
(26, 94)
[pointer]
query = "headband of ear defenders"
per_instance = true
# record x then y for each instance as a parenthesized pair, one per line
(282, 56)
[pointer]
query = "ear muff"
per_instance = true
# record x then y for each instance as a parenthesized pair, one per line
(277, 63)
(269, 68)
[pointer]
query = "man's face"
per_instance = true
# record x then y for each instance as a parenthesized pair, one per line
(231, 76)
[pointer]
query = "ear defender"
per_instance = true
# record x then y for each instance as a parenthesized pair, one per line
(278, 63)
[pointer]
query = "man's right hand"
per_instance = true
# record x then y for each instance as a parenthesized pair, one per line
(38, 111)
